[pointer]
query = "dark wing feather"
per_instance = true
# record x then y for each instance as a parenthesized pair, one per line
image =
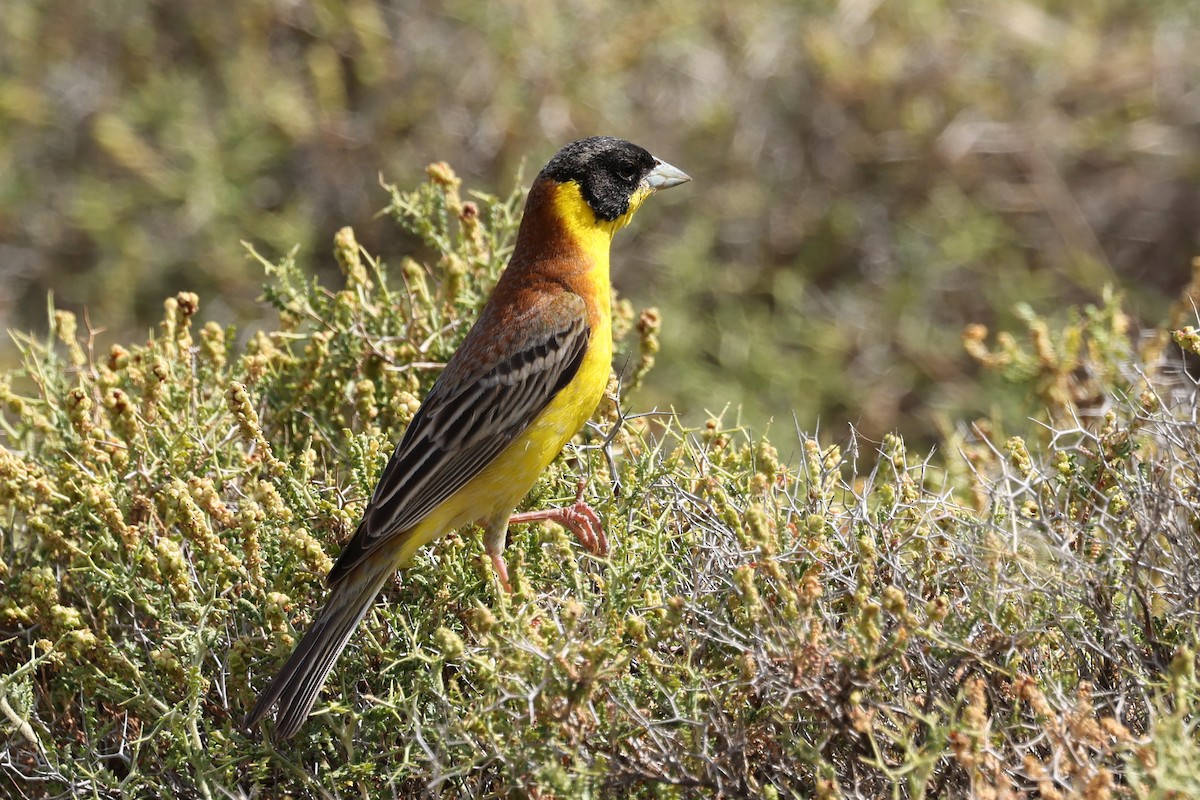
(487, 396)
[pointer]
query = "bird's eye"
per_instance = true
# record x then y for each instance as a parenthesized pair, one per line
(626, 174)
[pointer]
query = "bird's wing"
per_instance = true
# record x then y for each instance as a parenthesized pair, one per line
(487, 396)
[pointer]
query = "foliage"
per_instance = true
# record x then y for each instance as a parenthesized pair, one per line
(846, 623)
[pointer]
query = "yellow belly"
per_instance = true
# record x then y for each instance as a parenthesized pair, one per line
(500, 487)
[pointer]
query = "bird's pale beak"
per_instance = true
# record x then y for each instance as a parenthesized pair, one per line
(664, 176)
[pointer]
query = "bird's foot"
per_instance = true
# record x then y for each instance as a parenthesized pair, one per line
(579, 518)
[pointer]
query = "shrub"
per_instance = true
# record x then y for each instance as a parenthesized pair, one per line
(842, 619)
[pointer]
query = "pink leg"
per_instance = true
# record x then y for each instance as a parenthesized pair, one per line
(580, 518)
(494, 534)
(501, 571)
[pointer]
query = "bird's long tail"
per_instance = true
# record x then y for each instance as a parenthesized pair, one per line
(296, 686)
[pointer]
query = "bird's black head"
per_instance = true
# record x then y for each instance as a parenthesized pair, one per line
(609, 171)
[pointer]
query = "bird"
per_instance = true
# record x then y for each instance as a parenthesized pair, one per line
(529, 373)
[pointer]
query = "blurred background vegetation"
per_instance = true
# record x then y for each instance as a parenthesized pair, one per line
(869, 177)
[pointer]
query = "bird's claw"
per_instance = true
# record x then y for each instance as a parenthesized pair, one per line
(579, 518)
